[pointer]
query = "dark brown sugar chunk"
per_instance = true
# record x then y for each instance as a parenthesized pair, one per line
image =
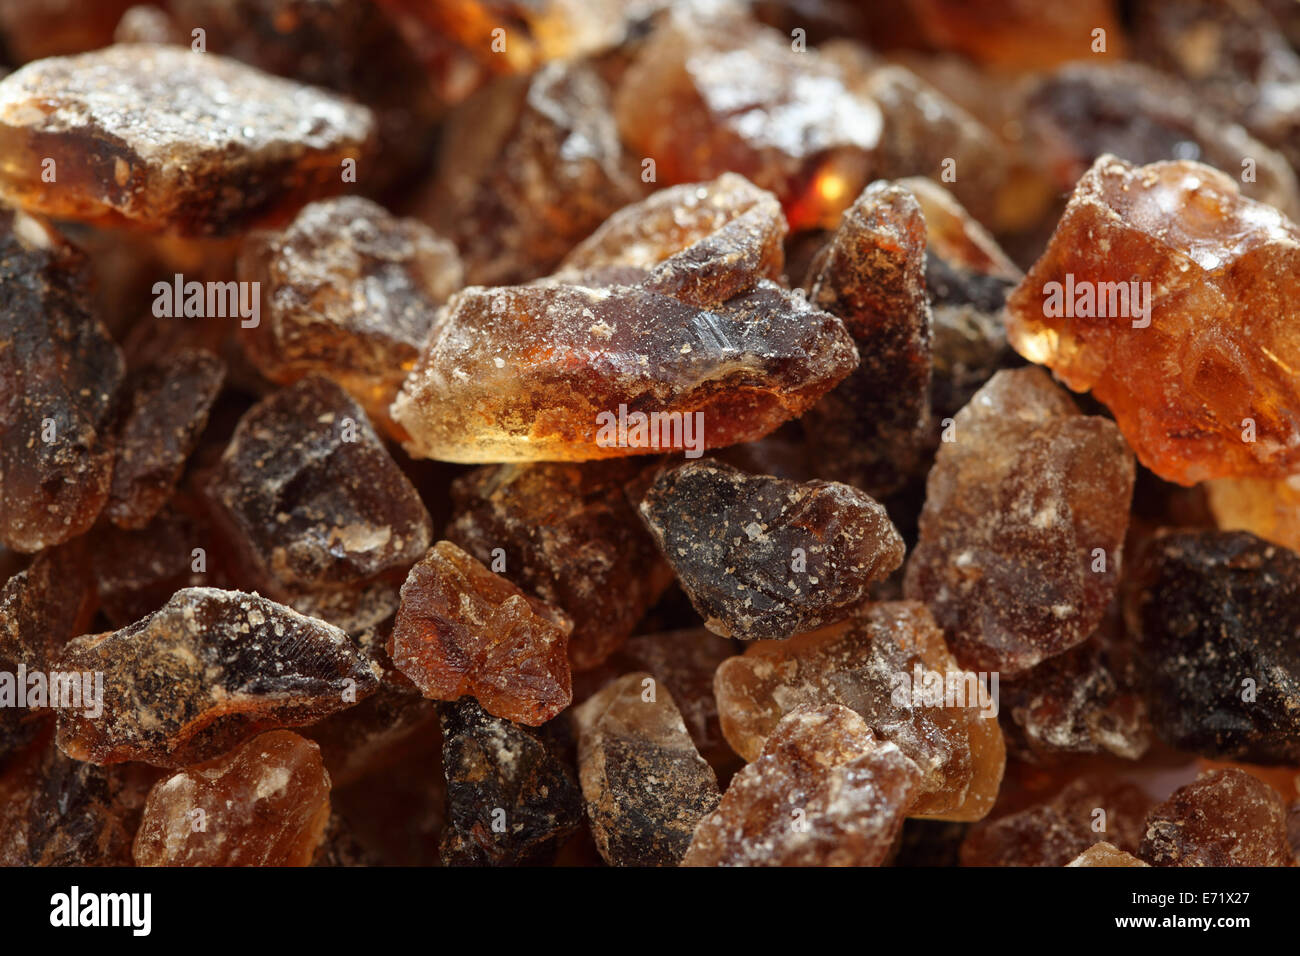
(316, 506)
(877, 664)
(710, 94)
(463, 630)
(870, 429)
(85, 815)
(511, 795)
(646, 786)
(33, 28)
(566, 533)
(1199, 367)
(1224, 818)
(59, 371)
(701, 242)
(1023, 524)
(265, 803)
(1084, 701)
(824, 792)
(1216, 619)
(207, 671)
(761, 557)
(165, 139)
(567, 372)
(528, 167)
(1090, 810)
(350, 291)
(163, 410)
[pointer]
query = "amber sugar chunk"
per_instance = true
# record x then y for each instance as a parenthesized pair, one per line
(645, 785)
(1267, 508)
(1023, 524)
(164, 139)
(569, 372)
(823, 792)
(265, 803)
(890, 665)
(870, 429)
(566, 533)
(59, 371)
(527, 168)
(1090, 810)
(313, 502)
(1105, 854)
(349, 291)
(967, 279)
(511, 794)
(761, 557)
(205, 672)
(718, 93)
(163, 410)
(1216, 619)
(1201, 378)
(1224, 818)
(463, 630)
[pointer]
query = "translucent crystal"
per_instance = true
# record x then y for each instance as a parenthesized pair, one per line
(708, 95)
(165, 139)
(349, 291)
(204, 673)
(890, 665)
(869, 430)
(1202, 382)
(1023, 525)
(264, 804)
(761, 557)
(463, 630)
(824, 792)
(1267, 508)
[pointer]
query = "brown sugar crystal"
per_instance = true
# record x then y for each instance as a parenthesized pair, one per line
(869, 430)
(1224, 818)
(265, 803)
(645, 784)
(59, 371)
(205, 672)
(1023, 524)
(823, 792)
(569, 372)
(1090, 810)
(707, 94)
(761, 557)
(163, 410)
(1105, 854)
(1174, 300)
(877, 664)
(568, 534)
(165, 139)
(1267, 508)
(463, 630)
(313, 503)
(349, 291)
